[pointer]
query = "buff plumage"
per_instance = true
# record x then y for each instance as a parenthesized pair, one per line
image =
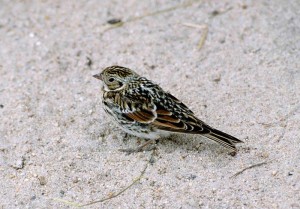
(142, 108)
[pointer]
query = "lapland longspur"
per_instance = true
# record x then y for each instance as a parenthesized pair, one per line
(142, 108)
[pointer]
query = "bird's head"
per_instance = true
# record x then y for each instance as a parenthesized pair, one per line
(115, 78)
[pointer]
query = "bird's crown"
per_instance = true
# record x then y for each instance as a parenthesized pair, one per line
(118, 71)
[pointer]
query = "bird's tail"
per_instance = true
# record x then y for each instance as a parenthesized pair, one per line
(222, 138)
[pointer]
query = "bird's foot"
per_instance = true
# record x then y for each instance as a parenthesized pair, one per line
(233, 153)
(126, 137)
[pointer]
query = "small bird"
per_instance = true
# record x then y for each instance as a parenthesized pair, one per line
(142, 108)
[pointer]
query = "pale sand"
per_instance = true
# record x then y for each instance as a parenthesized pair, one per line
(56, 141)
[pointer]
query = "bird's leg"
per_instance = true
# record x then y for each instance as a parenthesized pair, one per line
(139, 148)
(126, 137)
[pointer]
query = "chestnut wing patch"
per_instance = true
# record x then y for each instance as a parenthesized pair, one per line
(141, 116)
(140, 109)
(167, 121)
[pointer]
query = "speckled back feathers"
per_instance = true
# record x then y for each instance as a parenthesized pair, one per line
(140, 106)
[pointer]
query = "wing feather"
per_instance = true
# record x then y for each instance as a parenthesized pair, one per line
(168, 118)
(163, 112)
(167, 126)
(149, 104)
(142, 116)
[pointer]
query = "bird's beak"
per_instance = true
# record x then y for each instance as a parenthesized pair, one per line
(98, 76)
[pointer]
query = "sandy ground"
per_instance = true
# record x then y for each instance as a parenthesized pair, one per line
(57, 142)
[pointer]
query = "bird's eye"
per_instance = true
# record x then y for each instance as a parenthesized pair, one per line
(111, 79)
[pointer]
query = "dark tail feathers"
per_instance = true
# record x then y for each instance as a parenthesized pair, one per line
(222, 138)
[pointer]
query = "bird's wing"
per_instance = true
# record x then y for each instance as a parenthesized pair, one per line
(177, 119)
(168, 114)
(141, 115)
(139, 108)
(172, 115)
